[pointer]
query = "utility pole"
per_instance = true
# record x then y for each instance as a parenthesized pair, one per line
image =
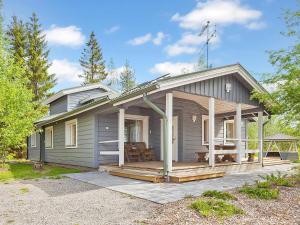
(209, 37)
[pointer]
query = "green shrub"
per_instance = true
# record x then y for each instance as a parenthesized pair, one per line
(219, 195)
(278, 180)
(263, 184)
(217, 208)
(260, 193)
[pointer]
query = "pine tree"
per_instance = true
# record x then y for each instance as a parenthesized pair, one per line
(92, 62)
(41, 82)
(17, 39)
(127, 78)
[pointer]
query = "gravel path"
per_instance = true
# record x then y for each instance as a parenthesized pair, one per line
(67, 201)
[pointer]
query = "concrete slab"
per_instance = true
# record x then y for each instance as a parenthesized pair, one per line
(170, 192)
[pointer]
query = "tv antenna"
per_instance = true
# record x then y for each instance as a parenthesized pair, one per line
(209, 37)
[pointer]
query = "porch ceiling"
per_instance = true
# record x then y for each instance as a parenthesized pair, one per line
(220, 105)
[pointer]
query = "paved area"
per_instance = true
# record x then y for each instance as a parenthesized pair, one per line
(170, 192)
(67, 202)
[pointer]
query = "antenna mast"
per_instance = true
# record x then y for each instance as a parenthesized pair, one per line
(209, 37)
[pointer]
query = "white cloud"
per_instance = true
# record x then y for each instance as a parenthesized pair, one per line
(66, 71)
(188, 44)
(173, 68)
(68, 36)
(159, 38)
(256, 25)
(140, 40)
(177, 49)
(113, 29)
(221, 12)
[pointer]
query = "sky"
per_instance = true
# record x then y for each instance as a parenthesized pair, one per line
(157, 37)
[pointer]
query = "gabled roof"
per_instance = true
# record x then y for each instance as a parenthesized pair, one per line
(159, 84)
(168, 82)
(76, 90)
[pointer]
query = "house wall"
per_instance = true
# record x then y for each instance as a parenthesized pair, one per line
(215, 87)
(75, 98)
(34, 152)
(59, 105)
(83, 155)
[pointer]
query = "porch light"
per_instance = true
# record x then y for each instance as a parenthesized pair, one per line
(194, 118)
(228, 87)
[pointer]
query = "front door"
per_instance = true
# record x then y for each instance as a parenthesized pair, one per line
(174, 139)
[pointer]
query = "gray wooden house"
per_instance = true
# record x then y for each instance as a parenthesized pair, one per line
(176, 116)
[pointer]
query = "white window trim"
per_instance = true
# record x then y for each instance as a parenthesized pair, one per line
(204, 117)
(33, 144)
(66, 124)
(46, 129)
(225, 131)
(145, 120)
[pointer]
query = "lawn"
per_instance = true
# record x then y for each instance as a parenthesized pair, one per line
(25, 171)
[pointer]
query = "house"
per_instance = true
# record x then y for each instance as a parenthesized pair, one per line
(177, 116)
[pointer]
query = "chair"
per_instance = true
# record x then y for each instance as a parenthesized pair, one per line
(132, 154)
(146, 153)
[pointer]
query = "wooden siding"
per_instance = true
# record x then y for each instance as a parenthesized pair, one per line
(74, 99)
(34, 152)
(83, 155)
(215, 87)
(58, 106)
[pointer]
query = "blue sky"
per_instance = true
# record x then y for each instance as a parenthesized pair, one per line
(156, 36)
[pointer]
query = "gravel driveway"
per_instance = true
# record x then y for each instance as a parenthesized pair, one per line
(68, 201)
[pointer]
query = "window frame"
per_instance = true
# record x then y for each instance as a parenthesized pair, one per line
(33, 144)
(52, 135)
(231, 143)
(145, 131)
(67, 124)
(203, 118)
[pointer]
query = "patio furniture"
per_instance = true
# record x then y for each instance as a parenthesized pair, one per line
(147, 154)
(202, 156)
(226, 157)
(132, 154)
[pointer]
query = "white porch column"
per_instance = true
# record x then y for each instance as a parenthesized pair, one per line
(121, 136)
(238, 132)
(169, 114)
(260, 136)
(211, 131)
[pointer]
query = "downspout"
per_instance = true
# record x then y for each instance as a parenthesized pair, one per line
(165, 132)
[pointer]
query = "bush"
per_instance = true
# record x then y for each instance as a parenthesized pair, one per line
(263, 184)
(260, 193)
(217, 208)
(219, 195)
(278, 180)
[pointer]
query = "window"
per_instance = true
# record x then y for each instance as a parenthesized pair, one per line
(133, 130)
(229, 132)
(33, 140)
(205, 127)
(71, 134)
(49, 137)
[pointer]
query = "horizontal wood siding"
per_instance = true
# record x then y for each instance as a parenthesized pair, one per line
(83, 155)
(215, 87)
(74, 99)
(58, 106)
(34, 152)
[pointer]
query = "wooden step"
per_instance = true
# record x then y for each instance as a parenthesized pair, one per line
(137, 175)
(275, 162)
(186, 177)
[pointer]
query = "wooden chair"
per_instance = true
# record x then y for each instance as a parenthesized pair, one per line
(147, 154)
(132, 154)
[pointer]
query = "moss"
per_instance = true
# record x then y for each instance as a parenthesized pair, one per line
(217, 208)
(219, 195)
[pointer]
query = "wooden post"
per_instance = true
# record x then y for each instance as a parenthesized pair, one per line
(211, 131)
(260, 136)
(238, 132)
(169, 114)
(121, 136)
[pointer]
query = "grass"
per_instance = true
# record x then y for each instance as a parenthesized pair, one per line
(278, 180)
(25, 171)
(217, 208)
(219, 195)
(260, 193)
(296, 161)
(24, 190)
